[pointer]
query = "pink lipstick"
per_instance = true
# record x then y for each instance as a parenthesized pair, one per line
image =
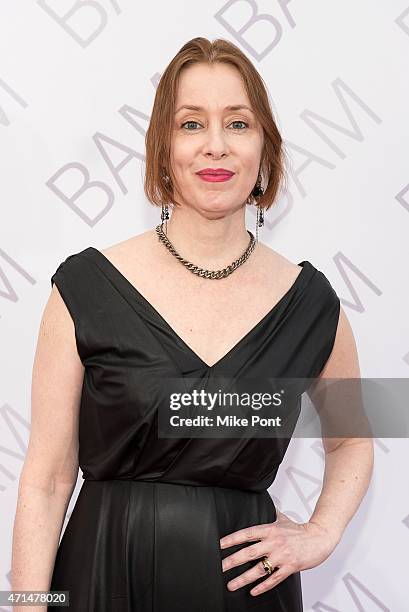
(215, 175)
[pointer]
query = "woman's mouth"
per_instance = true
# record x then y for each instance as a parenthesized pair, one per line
(215, 176)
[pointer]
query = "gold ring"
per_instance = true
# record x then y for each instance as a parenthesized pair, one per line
(267, 565)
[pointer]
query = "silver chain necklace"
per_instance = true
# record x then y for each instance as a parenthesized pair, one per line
(200, 271)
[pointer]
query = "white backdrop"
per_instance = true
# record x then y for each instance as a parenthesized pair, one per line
(77, 82)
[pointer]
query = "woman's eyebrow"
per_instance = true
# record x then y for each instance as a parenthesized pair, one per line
(200, 108)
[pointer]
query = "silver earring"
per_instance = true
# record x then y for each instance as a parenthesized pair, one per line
(257, 192)
(165, 210)
(164, 217)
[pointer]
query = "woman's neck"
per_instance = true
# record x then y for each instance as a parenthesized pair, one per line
(210, 243)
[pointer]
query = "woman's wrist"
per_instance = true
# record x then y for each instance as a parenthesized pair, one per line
(333, 533)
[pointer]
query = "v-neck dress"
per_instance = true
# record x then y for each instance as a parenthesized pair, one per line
(144, 532)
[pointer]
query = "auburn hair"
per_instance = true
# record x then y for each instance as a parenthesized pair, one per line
(157, 189)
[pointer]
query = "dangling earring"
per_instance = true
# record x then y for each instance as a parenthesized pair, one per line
(165, 210)
(257, 192)
(164, 217)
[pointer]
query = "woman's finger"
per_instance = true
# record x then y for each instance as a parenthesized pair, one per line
(271, 581)
(248, 553)
(250, 575)
(248, 534)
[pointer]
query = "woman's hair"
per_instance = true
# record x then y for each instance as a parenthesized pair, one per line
(158, 190)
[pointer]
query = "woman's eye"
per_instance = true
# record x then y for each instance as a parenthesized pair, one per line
(238, 121)
(196, 123)
(189, 122)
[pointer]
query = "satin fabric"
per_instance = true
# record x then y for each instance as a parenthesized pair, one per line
(145, 529)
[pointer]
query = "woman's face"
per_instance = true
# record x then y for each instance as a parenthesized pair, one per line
(214, 137)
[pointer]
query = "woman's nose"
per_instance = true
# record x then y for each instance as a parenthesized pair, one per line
(215, 141)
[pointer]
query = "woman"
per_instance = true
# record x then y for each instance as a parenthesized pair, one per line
(182, 523)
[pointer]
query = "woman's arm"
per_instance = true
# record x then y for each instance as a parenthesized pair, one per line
(50, 470)
(291, 546)
(348, 461)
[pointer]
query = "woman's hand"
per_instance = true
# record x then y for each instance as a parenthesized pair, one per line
(289, 546)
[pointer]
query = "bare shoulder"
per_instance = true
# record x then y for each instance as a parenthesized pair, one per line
(125, 247)
(343, 361)
(135, 246)
(283, 271)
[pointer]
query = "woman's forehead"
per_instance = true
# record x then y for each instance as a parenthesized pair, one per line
(195, 80)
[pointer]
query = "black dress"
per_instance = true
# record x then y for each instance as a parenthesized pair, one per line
(144, 532)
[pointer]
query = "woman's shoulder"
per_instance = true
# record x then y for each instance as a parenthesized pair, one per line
(321, 292)
(277, 265)
(130, 246)
(82, 264)
(137, 248)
